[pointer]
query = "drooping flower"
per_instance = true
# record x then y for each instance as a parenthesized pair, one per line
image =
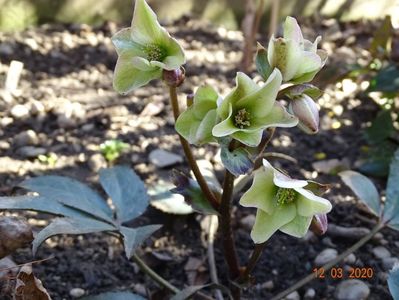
(283, 204)
(196, 123)
(249, 109)
(144, 50)
(298, 59)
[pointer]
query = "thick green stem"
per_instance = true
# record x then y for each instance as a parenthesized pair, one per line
(189, 155)
(331, 264)
(150, 272)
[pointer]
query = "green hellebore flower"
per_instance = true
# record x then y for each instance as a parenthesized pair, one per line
(249, 109)
(283, 204)
(196, 123)
(144, 50)
(297, 58)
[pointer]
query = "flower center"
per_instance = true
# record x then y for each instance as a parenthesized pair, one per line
(285, 196)
(154, 52)
(241, 119)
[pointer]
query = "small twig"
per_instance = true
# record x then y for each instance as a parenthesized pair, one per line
(150, 272)
(21, 265)
(213, 227)
(189, 155)
(262, 146)
(331, 264)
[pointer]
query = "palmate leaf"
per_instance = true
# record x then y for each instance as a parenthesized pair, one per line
(70, 226)
(70, 192)
(363, 188)
(126, 190)
(391, 209)
(115, 296)
(84, 210)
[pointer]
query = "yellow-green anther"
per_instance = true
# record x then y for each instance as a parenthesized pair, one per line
(154, 52)
(242, 118)
(285, 196)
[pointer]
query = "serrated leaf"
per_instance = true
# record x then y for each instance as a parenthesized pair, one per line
(391, 209)
(236, 161)
(393, 282)
(381, 128)
(115, 296)
(38, 203)
(133, 237)
(126, 190)
(299, 89)
(363, 188)
(70, 192)
(262, 63)
(70, 226)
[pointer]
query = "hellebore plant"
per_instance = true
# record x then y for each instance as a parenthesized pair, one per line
(242, 123)
(239, 122)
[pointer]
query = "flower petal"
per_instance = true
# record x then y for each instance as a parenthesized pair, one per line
(249, 138)
(292, 30)
(127, 77)
(277, 117)
(260, 102)
(205, 93)
(226, 127)
(145, 27)
(123, 43)
(297, 227)
(267, 224)
(310, 62)
(308, 204)
(285, 55)
(204, 130)
(262, 192)
(282, 180)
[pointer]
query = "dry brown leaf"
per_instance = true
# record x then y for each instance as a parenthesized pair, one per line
(14, 233)
(28, 287)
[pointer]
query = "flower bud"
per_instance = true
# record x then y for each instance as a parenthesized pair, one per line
(319, 224)
(305, 109)
(174, 78)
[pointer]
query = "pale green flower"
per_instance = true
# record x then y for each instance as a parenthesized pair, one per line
(144, 50)
(249, 109)
(298, 59)
(283, 204)
(196, 123)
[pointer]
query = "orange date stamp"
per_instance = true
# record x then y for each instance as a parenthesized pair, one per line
(341, 273)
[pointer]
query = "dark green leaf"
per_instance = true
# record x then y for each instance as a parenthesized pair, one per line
(393, 282)
(387, 80)
(133, 237)
(391, 209)
(238, 161)
(69, 226)
(115, 296)
(262, 63)
(71, 193)
(381, 128)
(126, 190)
(363, 188)
(38, 203)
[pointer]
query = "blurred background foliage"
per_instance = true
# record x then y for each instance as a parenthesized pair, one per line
(18, 14)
